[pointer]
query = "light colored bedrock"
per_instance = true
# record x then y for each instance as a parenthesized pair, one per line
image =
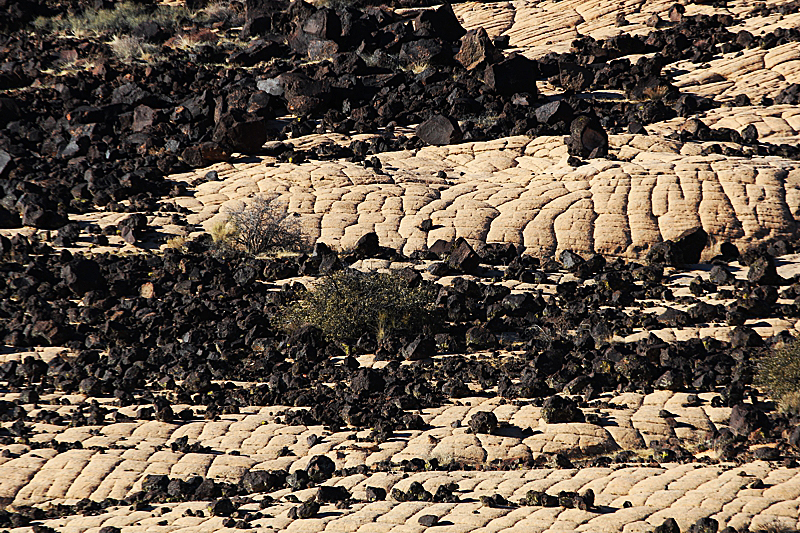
(523, 191)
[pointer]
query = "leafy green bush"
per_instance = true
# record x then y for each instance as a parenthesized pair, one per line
(349, 303)
(778, 374)
(263, 226)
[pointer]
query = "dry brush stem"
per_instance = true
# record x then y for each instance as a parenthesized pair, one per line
(263, 226)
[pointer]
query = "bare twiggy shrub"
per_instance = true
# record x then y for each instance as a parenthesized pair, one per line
(263, 226)
(349, 303)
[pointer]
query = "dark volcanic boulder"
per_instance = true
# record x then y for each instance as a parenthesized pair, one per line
(575, 77)
(463, 258)
(483, 422)
(82, 276)
(320, 468)
(440, 22)
(439, 130)
(263, 480)
(327, 494)
(557, 409)
(691, 244)
(587, 137)
(420, 348)
(304, 95)
(9, 219)
(132, 227)
(245, 136)
(477, 50)
(746, 418)
(263, 17)
(204, 154)
(367, 246)
(553, 112)
(763, 272)
(6, 163)
(665, 253)
(426, 51)
(515, 74)
(37, 212)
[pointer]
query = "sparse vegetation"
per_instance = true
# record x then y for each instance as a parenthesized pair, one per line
(121, 20)
(778, 375)
(349, 303)
(177, 242)
(225, 12)
(126, 48)
(263, 226)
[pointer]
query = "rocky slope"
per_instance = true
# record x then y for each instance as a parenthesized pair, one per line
(603, 197)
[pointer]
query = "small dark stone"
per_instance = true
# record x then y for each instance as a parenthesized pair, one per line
(439, 130)
(326, 494)
(420, 348)
(428, 520)
(746, 418)
(705, 525)
(222, 507)
(668, 526)
(767, 453)
(483, 422)
(587, 138)
(557, 409)
(375, 494)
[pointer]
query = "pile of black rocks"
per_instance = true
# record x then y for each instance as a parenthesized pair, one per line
(111, 312)
(83, 138)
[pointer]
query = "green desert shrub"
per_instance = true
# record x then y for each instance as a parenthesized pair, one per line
(778, 375)
(263, 226)
(350, 303)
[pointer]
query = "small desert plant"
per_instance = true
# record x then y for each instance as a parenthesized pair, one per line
(122, 19)
(263, 226)
(126, 48)
(225, 12)
(778, 374)
(349, 303)
(178, 242)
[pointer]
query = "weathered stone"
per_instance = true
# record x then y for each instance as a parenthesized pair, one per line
(587, 138)
(477, 50)
(439, 130)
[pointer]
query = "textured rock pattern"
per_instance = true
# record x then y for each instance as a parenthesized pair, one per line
(522, 191)
(116, 458)
(537, 28)
(127, 451)
(685, 493)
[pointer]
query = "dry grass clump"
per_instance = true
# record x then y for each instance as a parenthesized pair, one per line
(224, 12)
(121, 20)
(263, 226)
(350, 303)
(127, 48)
(177, 242)
(778, 375)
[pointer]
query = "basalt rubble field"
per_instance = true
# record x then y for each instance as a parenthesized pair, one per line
(603, 198)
